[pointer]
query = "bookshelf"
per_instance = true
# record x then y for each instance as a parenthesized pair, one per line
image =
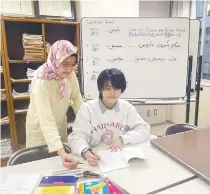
(12, 30)
(8, 135)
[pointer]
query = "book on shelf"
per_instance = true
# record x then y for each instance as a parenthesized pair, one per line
(5, 119)
(6, 146)
(3, 93)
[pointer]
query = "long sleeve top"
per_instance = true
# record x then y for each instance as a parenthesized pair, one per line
(95, 124)
(46, 121)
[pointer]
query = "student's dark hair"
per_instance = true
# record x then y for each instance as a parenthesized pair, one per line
(114, 76)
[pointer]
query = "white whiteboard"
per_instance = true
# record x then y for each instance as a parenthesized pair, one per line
(151, 52)
(193, 48)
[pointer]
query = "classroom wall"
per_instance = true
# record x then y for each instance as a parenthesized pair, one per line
(129, 8)
(154, 8)
(107, 8)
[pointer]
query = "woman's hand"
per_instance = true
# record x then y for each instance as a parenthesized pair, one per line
(91, 158)
(66, 159)
(116, 145)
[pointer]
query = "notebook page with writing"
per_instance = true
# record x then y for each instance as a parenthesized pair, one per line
(110, 161)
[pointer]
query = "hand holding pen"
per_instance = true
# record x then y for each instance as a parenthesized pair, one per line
(91, 157)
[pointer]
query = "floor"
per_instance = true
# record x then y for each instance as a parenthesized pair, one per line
(158, 130)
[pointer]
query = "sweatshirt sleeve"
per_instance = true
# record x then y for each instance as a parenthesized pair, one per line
(46, 119)
(139, 130)
(80, 137)
(76, 95)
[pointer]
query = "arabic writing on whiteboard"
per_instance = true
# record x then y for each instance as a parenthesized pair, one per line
(112, 44)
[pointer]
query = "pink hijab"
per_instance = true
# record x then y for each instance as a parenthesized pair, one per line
(59, 51)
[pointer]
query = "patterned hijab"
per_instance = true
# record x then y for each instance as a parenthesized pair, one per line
(59, 51)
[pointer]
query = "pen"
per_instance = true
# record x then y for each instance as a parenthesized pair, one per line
(91, 152)
(70, 170)
(77, 161)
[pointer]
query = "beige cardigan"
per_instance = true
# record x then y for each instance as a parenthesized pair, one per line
(46, 121)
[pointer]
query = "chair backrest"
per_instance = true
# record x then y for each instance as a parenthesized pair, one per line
(33, 154)
(179, 128)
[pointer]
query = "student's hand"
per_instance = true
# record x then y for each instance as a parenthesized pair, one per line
(67, 161)
(91, 158)
(116, 145)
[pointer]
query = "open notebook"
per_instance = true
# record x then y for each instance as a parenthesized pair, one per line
(110, 161)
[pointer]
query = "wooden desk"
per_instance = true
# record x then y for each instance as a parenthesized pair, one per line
(191, 149)
(195, 186)
(158, 171)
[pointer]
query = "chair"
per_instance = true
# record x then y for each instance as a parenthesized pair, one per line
(179, 128)
(33, 154)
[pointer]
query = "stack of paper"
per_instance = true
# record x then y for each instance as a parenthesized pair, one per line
(4, 120)
(1, 69)
(14, 93)
(29, 88)
(3, 93)
(48, 47)
(33, 47)
(30, 73)
(21, 110)
(6, 147)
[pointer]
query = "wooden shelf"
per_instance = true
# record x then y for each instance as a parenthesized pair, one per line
(23, 112)
(13, 29)
(4, 123)
(21, 81)
(24, 61)
(21, 97)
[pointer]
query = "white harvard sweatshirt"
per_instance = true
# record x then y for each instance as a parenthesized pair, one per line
(95, 124)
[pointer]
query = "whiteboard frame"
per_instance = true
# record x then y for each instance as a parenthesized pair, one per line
(81, 49)
(195, 68)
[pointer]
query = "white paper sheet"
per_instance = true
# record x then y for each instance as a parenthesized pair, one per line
(20, 184)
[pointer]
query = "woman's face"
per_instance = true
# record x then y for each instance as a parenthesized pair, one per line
(67, 66)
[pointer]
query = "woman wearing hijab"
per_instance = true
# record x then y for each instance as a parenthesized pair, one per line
(54, 88)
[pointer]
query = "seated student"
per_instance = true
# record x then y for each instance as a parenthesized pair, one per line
(107, 120)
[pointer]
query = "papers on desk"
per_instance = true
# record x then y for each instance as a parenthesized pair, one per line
(20, 184)
(110, 161)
